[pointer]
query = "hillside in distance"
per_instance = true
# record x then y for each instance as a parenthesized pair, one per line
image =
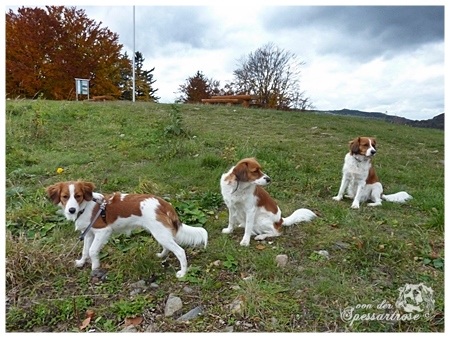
(436, 122)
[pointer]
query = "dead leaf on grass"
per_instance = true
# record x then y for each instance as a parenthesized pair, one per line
(89, 315)
(260, 247)
(133, 321)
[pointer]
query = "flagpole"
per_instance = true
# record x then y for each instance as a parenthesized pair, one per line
(134, 57)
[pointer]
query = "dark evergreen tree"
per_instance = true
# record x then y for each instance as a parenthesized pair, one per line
(144, 89)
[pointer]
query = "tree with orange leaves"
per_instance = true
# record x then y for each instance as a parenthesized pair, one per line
(47, 48)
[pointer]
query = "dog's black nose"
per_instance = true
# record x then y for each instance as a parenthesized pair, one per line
(267, 178)
(373, 151)
(72, 210)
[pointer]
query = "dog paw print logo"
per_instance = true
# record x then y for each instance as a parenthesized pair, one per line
(416, 298)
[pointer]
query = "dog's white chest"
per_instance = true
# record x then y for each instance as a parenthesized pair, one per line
(355, 167)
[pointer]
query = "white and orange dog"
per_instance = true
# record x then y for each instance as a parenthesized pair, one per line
(124, 213)
(360, 179)
(250, 206)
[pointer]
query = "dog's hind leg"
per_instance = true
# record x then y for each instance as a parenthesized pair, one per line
(180, 254)
(163, 253)
(165, 239)
(375, 195)
(357, 199)
(262, 237)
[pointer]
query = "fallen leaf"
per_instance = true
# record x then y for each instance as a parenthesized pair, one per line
(260, 247)
(89, 315)
(434, 255)
(133, 321)
(85, 323)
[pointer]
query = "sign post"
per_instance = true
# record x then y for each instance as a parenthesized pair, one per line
(82, 87)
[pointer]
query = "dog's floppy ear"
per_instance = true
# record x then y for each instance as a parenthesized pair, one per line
(354, 146)
(53, 193)
(241, 172)
(88, 189)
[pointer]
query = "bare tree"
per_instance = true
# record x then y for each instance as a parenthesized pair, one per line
(300, 102)
(272, 74)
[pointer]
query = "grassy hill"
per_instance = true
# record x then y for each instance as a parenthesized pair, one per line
(179, 152)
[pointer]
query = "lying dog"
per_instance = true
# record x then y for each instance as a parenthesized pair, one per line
(249, 205)
(123, 213)
(360, 179)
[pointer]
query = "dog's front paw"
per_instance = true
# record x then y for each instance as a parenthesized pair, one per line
(337, 198)
(227, 230)
(245, 242)
(180, 274)
(355, 206)
(79, 263)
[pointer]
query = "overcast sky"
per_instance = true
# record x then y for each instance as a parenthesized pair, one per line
(387, 59)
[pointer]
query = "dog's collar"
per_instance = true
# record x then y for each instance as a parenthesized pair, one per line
(79, 214)
(98, 201)
(358, 159)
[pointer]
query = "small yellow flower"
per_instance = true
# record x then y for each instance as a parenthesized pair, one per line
(59, 170)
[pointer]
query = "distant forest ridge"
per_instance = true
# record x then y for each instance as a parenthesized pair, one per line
(436, 122)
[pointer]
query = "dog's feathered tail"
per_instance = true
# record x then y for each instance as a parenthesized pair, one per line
(299, 215)
(191, 236)
(400, 197)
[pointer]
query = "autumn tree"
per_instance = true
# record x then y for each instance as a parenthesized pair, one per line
(47, 48)
(198, 87)
(272, 74)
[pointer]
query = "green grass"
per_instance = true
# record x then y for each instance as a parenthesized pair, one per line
(179, 153)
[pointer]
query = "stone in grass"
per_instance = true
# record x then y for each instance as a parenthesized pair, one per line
(281, 260)
(194, 313)
(173, 304)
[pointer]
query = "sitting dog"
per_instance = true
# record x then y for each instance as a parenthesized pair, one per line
(360, 179)
(122, 214)
(249, 205)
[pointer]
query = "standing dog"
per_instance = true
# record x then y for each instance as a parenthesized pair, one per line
(249, 205)
(360, 179)
(123, 213)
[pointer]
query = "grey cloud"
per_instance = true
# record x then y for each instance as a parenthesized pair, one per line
(364, 30)
(164, 25)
